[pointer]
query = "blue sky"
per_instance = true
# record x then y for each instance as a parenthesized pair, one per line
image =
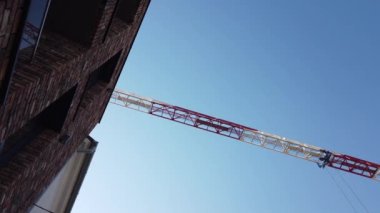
(306, 70)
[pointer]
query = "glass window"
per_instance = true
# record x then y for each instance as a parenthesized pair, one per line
(33, 26)
(27, 45)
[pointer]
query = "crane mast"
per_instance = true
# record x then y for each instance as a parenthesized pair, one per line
(248, 135)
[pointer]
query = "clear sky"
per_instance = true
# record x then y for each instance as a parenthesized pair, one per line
(306, 70)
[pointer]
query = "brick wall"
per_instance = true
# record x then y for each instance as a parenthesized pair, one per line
(103, 22)
(59, 65)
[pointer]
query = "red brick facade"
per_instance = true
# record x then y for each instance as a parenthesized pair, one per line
(59, 65)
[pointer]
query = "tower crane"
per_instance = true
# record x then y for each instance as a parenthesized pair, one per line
(248, 135)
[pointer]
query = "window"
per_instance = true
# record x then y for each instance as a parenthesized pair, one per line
(104, 73)
(18, 140)
(75, 19)
(127, 9)
(33, 27)
(53, 117)
(27, 41)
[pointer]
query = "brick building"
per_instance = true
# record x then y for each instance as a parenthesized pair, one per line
(59, 62)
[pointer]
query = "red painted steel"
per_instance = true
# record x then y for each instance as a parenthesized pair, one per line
(198, 120)
(354, 165)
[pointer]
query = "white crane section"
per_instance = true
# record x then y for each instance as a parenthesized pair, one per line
(283, 145)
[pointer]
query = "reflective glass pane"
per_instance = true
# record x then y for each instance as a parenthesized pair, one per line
(33, 25)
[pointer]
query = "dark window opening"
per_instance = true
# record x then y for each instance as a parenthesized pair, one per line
(76, 20)
(127, 9)
(53, 117)
(103, 73)
(18, 140)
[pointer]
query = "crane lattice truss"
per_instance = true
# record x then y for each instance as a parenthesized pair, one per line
(248, 135)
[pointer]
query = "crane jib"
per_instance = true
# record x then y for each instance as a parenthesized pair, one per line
(248, 135)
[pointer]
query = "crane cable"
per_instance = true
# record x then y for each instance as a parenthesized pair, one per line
(342, 191)
(353, 192)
